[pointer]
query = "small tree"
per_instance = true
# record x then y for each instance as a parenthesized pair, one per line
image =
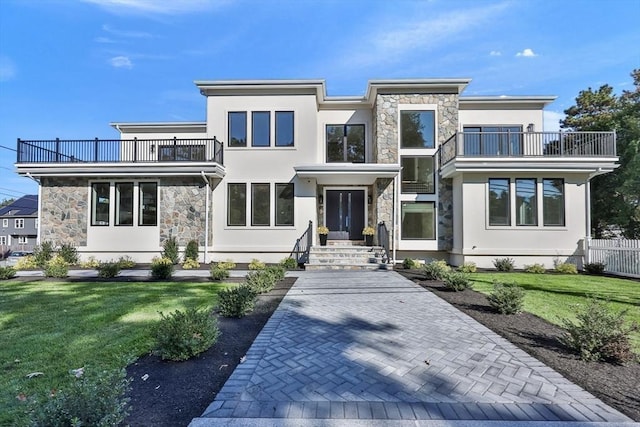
(191, 251)
(171, 250)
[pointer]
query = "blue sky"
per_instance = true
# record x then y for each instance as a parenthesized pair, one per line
(69, 67)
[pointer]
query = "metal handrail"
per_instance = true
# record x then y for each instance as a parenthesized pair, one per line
(300, 251)
(383, 240)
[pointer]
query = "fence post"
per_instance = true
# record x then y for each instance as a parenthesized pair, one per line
(95, 150)
(57, 150)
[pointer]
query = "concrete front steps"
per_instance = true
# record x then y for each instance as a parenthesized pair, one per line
(345, 257)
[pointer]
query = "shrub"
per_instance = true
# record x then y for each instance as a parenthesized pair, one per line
(260, 281)
(190, 263)
(7, 273)
(595, 267)
(436, 270)
(26, 263)
(409, 264)
(535, 268)
(91, 263)
(184, 334)
(504, 264)
(56, 267)
(161, 268)
(506, 298)
(600, 334)
(289, 263)
(256, 264)
(171, 250)
(236, 302)
(227, 265)
(468, 267)
(217, 273)
(95, 399)
(43, 252)
(277, 271)
(566, 268)
(126, 262)
(108, 270)
(192, 251)
(457, 281)
(69, 253)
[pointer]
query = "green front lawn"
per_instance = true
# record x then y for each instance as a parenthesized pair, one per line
(52, 327)
(557, 296)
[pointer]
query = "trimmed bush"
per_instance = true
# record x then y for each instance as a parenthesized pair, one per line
(504, 264)
(125, 262)
(192, 251)
(26, 263)
(535, 268)
(190, 264)
(410, 264)
(289, 263)
(161, 268)
(236, 302)
(594, 267)
(171, 250)
(506, 298)
(456, 281)
(468, 267)
(184, 334)
(277, 271)
(42, 253)
(69, 253)
(260, 281)
(256, 264)
(7, 273)
(56, 267)
(108, 270)
(600, 334)
(227, 265)
(91, 263)
(436, 270)
(566, 268)
(217, 273)
(92, 400)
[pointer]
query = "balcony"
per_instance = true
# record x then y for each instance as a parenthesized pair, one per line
(516, 151)
(102, 157)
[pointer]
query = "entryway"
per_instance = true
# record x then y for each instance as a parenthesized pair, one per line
(345, 214)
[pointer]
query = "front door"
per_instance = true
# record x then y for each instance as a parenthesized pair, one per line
(345, 214)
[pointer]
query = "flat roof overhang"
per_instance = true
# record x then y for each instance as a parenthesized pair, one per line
(99, 170)
(347, 173)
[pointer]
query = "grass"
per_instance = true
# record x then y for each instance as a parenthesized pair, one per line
(556, 296)
(53, 327)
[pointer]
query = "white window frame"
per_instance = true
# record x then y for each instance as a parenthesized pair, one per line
(3, 241)
(19, 223)
(23, 240)
(5, 222)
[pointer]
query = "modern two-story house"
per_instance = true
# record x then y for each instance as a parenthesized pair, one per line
(18, 225)
(450, 177)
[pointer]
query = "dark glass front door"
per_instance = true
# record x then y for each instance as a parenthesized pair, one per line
(345, 214)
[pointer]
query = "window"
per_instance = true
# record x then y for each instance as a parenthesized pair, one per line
(284, 129)
(417, 129)
(553, 202)
(260, 129)
(418, 174)
(260, 204)
(418, 220)
(124, 203)
(284, 204)
(19, 223)
(345, 143)
(499, 213)
(148, 203)
(237, 204)
(5, 222)
(526, 204)
(23, 240)
(237, 129)
(100, 203)
(3, 240)
(492, 140)
(181, 153)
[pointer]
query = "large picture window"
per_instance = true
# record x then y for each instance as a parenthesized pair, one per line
(284, 204)
(260, 129)
(148, 200)
(237, 129)
(417, 129)
(284, 129)
(260, 205)
(345, 143)
(418, 174)
(124, 203)
(499, 200)
(526, 202)
(237, 205)
(100, 196)
(553, 202)
(418, 220)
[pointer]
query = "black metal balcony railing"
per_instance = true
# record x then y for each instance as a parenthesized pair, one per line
(528, 144)
(120, 151)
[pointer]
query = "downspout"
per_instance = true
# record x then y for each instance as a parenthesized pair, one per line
(38, 234)
(206, 218)
(396, 210)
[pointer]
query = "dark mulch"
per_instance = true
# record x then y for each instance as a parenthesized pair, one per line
(176, 392)
(616, 385)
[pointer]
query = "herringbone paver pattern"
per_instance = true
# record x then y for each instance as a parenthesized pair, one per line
(373, 345)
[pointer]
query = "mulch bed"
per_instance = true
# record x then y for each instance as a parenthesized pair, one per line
(176, 392)
(616, 385)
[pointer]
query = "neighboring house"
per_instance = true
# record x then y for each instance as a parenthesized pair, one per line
(453, 177)
(19, 225)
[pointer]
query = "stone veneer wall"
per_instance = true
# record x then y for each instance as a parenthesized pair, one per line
(64, 213)
(182, 210)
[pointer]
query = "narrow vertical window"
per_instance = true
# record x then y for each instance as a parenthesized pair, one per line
(148, 200)
(124, 203)
(238, 129)
(284, 129)
(260, 204)
(100, 203)
(417, 129)
(260, 129)
(284, 204)
(237, 205)
(526, 203)
(499, 213)
(553, 202)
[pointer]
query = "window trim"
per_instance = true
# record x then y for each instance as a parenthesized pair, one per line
(509, 221)
(25, 240)
(253, 129)
(18, 221)
(293, 128)
(5, 222)
(229, 127)
(5, 240)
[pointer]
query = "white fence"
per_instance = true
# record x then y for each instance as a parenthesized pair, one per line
(620, 256)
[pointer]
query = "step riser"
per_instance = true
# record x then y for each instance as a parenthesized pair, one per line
(316, 267)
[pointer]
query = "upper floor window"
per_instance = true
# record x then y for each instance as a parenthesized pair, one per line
(499, 201)
(492, 140)
(19, 223)
(260, 129)
(526, 202)
(345, 143)
(284, 129)
(238, 129)
(5, 222)
(553, 202)
(100, 203)
(417, 129)
(418, 174)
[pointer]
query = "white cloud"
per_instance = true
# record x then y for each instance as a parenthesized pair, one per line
(121, 62)
(7, 69)
(527, 52)
(160, 7)
(552, 120)
(495, 53)
(127, 34)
